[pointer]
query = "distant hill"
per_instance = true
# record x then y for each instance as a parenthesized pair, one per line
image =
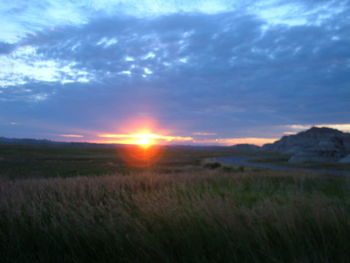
(33, 142)
(244, 147)
(27, 141)
(313, 145)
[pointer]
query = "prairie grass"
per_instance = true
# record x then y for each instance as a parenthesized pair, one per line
(24, 161)
(197, 216)
(283, 161)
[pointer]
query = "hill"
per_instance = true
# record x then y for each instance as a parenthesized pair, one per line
(244, 147)
(314, 145)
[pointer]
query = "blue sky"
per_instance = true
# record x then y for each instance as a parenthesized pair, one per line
(215, 71)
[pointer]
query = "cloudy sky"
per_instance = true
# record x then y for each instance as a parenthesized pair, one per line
(195, 70)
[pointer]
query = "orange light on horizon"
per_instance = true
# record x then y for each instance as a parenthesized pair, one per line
(71, 135)
(142, 148)
(143, 139)
(141, 154)
(233, 141)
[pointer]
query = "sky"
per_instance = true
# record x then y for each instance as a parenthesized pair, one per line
(193, 71)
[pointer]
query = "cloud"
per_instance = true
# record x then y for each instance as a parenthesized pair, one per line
(345, 127)
(234, 141)
(204, 133)
(226, 68)
(24, 65)
(6, 48)
(22, 18)
(71, 135)
(298, 13)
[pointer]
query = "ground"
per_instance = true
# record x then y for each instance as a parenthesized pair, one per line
(84, 204)
(282, 159)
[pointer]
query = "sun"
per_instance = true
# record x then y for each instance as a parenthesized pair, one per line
(144, 140)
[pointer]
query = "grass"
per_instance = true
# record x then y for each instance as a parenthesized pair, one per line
(187, 215)
(283, 161)
(21, 162)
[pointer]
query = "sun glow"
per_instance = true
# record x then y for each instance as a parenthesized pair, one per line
(142, 148)
(142, 141)
(145, 139)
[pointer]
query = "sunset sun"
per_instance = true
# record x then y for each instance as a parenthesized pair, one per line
(176, 131)
(144, 140)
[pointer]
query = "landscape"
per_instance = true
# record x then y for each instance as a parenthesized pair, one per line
(175, 131)
(83, 203)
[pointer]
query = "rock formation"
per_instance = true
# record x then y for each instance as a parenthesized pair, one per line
(313, 145)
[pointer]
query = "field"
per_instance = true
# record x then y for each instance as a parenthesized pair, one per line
(84, 204)
(283, 161)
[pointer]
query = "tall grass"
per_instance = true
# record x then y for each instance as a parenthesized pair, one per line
(23, 161)
(208, 216)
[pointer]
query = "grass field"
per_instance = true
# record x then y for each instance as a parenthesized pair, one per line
(76, 204)
(283, 161)
(20, 162)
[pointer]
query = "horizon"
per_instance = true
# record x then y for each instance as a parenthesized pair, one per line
(198, 72)
(190, 144)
